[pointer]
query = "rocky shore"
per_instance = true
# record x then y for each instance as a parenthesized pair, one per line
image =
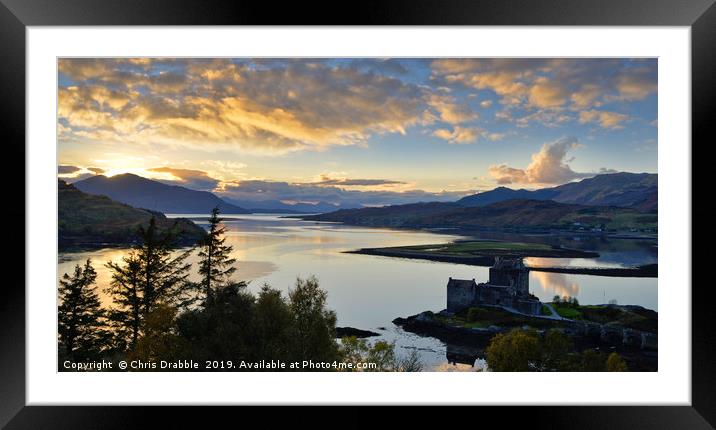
(342, 332)
(638, 347)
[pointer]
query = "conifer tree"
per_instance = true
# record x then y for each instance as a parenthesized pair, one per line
(148, 277)
(80, 316)
(126, 290)
(163, 277)
(216, 266)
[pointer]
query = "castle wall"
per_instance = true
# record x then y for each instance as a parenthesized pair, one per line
(460, 296)
(508, 286)
(511, 277)
(530, 307)
(490, 295)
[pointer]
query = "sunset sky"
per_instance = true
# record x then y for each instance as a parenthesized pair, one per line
(388, 130)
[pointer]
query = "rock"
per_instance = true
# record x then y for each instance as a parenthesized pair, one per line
(342, 332)
(631, 337)
(592, 329)
(612, 335)
(649, 341)
(424, 316)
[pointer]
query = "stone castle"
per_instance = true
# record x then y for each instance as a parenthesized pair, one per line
(507, 287)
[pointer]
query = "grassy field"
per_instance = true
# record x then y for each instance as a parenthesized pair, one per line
(479, 247)
(478, 252)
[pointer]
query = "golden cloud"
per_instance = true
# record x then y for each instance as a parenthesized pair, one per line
(460, 135)
(540, 86)
(548, 166)
(606, 119)
(636, 85)
(547, 94)
(451, 112)
(586, 95)
(207, 102)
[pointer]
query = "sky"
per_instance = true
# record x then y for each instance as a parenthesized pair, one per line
(368, 130)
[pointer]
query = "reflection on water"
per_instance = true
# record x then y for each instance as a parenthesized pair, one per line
(368, 292)
(479, 366)
(572, 262)
(612, 252)
(553, 284)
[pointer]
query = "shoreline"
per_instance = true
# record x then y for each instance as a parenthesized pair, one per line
(644, 271)
(466, 344)
(466, 231)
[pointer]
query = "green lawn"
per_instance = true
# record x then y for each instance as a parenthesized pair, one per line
(567, 312)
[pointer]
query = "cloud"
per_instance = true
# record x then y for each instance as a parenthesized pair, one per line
(606, 119)
(327, 189)
(325, 179)
(277, 106)
(336, 195)
(586, 95)
(96, 170)
(451, 112)
(504, 174)
(548, 118)
(636, 84)
(539, 87)
(510, 78)
(460, 135)
(262, 106)
(548, 166)
(604, 171)
(194, 179)
(496, 136)
(63, 169)
(547, 94)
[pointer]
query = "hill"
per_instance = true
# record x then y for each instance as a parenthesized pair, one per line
(632, 190)
(90, 220)
(153, 195)
(277, 206)
(510, 214)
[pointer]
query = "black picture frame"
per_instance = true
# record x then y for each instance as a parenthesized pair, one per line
(16, 15)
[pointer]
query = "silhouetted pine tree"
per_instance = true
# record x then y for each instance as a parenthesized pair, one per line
(80, 317)
(216, 266)
(127, 295)
(149, 276)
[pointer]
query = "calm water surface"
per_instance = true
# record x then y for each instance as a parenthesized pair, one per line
(368, 292)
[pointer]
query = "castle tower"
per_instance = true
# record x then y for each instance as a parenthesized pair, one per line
(511, 272)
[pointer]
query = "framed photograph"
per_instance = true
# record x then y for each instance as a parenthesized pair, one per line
(454, 204)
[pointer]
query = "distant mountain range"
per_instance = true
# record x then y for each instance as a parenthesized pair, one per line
(615, 202)
(153, 195)
(508, 214)
(632, 190)
(607, 195)
(91, 220)
(277, 206)
(174, 199)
